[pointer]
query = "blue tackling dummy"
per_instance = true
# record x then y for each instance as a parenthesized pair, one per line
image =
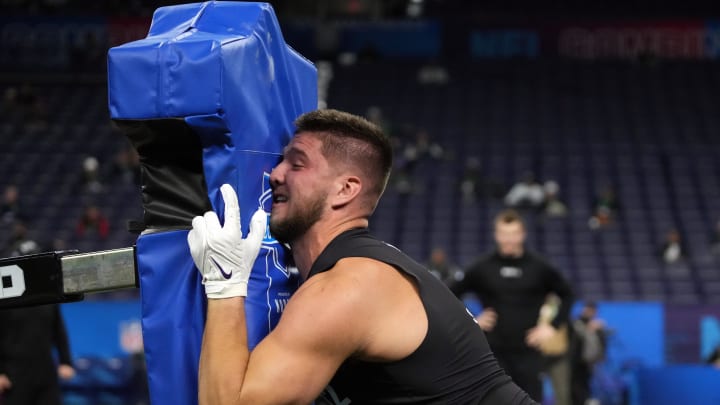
(207, 98)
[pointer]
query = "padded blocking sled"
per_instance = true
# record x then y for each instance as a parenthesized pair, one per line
(207, 98)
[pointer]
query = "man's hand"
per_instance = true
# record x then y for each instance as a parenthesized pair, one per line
(5, 383)
(487, 319)
(221, 254)
(596, 325)
(540, 334)
(66, 372)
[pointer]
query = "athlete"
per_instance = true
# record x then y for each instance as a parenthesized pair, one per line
(512, 284)
(368, 325)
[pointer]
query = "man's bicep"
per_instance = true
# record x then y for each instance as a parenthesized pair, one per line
(297, 360)
(278, 373)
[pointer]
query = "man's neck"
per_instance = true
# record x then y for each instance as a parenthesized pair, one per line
(308, 247)
(512, 255)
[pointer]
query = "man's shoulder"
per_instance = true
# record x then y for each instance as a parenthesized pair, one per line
(354, 287)
(364, 271)
(482, 262)
(348, 276)
(539, 259)
(325, 299)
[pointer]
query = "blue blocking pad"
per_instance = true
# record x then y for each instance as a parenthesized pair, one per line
(224, 71)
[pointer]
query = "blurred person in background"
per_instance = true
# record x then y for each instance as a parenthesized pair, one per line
(442, 268)
(554, 207)
(672, 250)
(556, 353)
(527, 193)
(605, 209)
(20, 243)
(10, 208)
(475, 184)
(422, 147)
(470, 182)
(29, 339)
(91, 177)
(92, 222)
(588, 349)
(28, 370)
(512, 285)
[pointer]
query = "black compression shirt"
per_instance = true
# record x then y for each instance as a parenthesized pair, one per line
(453, 364)
(516, 288)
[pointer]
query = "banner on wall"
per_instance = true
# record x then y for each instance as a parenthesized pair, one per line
(42, 43)
(668, 40)
(691, 39)
(692, 332)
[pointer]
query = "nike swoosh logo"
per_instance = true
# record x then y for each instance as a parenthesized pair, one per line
(226, 275)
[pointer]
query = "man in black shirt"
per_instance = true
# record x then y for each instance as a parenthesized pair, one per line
(512, 285)
(588, 349)
(368, 325)
(28, 338)
(28, 371)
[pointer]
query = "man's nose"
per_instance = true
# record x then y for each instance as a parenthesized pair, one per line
(275, 177)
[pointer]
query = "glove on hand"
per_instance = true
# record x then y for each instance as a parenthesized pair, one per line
(221, 254)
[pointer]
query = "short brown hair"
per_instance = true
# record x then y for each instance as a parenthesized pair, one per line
(509, 216)
(352, 139)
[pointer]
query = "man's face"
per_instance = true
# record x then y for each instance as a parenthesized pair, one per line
(300, 185)
(588, 313)
(510, 238)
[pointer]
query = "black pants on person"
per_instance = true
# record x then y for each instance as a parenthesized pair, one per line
(524, 366)
(580, 389)
(32, 389)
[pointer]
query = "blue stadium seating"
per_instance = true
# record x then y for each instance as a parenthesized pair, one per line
(649, 131)
(645, 130)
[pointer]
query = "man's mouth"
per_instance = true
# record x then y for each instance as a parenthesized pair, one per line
(279, 198)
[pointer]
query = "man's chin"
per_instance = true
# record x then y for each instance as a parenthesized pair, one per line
(279, 233)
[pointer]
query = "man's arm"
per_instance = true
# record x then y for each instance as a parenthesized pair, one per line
(60, 337)
(5, 382)
(466, 284)
(487, 319)
(557, 284)
(299, 357)
(294, 363)
(224, 353)
(62, 345)
(361, 308)
(458, 287)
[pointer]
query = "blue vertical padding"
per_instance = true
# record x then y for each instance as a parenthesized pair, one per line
(225, 69)
(172, 312)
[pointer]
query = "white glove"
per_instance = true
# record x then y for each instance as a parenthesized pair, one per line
(221, 254)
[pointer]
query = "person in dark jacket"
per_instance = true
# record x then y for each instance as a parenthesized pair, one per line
(369, 325)
(34, 346)
(28, 368)
(512, 285)
(588, 350)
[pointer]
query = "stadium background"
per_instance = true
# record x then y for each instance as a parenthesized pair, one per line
(587, 94)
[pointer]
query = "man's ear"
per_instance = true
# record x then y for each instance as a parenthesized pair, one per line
(348, 189)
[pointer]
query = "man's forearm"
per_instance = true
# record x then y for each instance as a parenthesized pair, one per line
(224, 355)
